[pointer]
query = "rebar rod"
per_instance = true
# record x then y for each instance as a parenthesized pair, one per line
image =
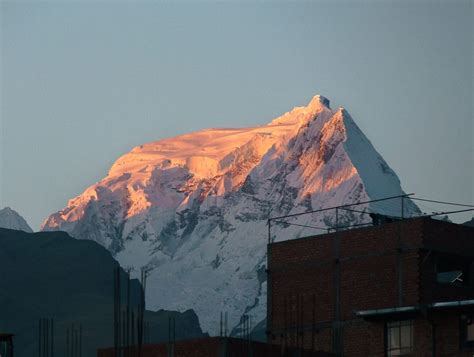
(77, 341)
(302, 321)
(52, 338)
(313, 323)
(67, 343)
(39, 337)
(127, 338)
(133, 333)
(285, 317)
(221, 324)
(225, 324)
(119, 312)
(80, 340)
(46, 335)
(73, 338)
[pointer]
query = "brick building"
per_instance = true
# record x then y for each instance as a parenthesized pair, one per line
(400, 288)
(210, 347)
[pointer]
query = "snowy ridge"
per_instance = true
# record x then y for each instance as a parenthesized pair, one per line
(11, 219)
(193, 208)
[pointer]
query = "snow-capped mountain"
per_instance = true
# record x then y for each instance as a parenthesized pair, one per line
(11, 219)
(193, 208)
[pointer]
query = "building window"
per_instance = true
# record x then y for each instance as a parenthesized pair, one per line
(467, 330)
(453, 272)
(399, 338)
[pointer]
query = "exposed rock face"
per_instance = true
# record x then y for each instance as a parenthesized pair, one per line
(193, 208)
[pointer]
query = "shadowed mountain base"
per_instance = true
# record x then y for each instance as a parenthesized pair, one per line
(51, 275)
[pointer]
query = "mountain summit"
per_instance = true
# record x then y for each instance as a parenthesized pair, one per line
(11, 219)
(193, 208)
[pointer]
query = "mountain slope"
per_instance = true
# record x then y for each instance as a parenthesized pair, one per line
(51, 275)
(10, 219)
(193, 208)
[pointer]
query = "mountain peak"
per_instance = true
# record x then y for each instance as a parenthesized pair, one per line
(11, 219)
(318, 101)
(193, 208)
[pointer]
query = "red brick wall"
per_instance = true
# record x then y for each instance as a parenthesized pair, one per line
(376, 340)
(370, 261)
(447, 335)
(355, 339)
(448, 237)
(368, 338)
(369, 283)
(197, 348)
(210, 347)
(368, 275)
(442, 238)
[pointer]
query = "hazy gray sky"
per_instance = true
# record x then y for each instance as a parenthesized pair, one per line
(84, 82)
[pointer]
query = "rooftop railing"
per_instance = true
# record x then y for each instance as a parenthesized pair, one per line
(363, 214)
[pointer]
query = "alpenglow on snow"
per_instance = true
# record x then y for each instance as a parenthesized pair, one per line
(193, 208)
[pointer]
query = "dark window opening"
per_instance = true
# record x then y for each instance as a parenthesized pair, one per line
(452, 272)
(399, 338)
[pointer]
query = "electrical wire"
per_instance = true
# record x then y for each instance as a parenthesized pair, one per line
(442, 202)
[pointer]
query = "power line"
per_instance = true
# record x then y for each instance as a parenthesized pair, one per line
(445, 203)
(341, 206)
(450, 212)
